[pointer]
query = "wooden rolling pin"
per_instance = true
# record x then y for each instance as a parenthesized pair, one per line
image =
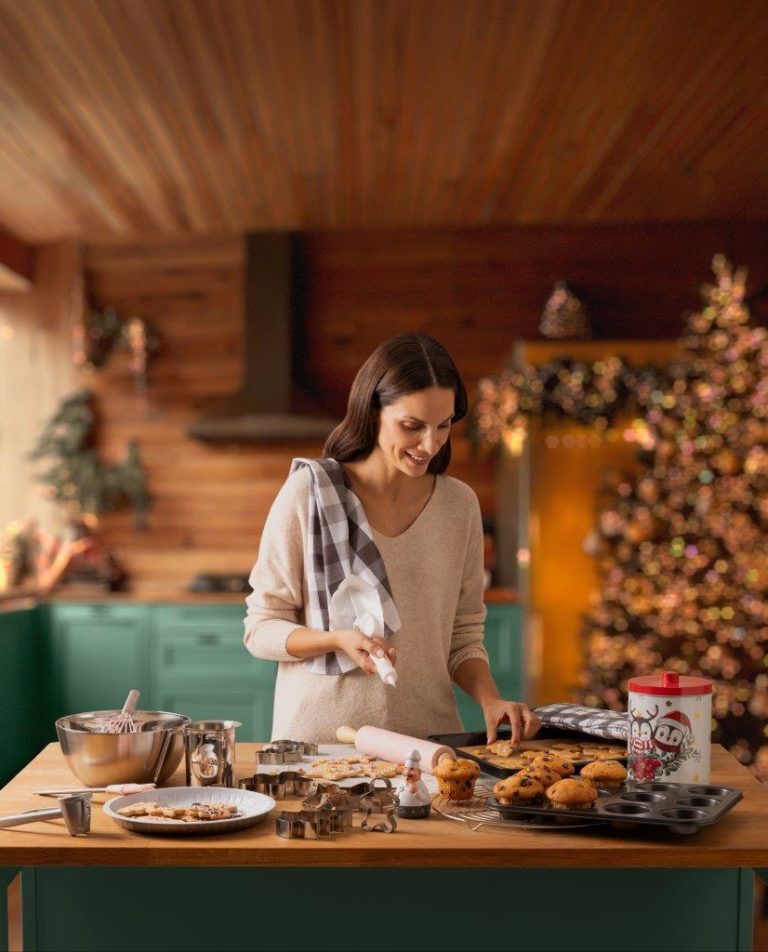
(391, 746)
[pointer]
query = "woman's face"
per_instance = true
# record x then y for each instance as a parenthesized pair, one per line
(413, 429)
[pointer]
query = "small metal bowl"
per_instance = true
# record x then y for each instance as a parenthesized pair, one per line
(98, 759)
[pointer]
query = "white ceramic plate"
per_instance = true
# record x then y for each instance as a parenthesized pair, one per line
(251, 807)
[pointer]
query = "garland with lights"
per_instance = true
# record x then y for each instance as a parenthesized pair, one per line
(590, 393)
(680, 544)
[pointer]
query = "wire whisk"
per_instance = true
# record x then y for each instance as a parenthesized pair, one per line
(123, 723)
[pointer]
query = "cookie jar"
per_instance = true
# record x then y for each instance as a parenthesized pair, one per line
(670, 727)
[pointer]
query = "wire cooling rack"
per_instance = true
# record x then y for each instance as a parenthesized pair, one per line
(476, 814)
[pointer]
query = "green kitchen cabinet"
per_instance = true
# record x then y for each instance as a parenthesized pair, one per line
(503, 642)
(81, 909)
(7, 876)
(190, 658)
(200, 667)
(253, 709)
(96, 653)
(21, 665)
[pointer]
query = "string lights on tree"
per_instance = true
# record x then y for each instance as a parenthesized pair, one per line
(681, 543)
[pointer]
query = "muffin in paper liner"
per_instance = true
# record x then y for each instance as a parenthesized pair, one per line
(456, 777)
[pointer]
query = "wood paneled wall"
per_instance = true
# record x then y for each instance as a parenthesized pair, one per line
(35, 373)
(476, 291)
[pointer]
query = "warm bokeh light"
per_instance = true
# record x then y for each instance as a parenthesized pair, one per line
(681, 543)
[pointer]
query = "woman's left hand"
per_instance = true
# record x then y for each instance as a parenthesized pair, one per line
(522, 720)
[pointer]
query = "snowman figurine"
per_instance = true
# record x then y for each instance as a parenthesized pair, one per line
(415, 800)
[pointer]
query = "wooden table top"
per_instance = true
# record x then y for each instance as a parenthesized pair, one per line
(740, 839)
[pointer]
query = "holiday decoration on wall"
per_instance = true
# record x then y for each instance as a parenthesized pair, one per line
(564, 317)
(103, 331)
(76, 477)
(680, 544)
(590, 393)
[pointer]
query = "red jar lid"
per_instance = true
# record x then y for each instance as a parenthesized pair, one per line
(670, 682)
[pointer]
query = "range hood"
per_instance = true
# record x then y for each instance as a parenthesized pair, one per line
(262, 409)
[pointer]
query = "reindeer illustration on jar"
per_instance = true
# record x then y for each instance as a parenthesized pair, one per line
(669, 728)
(642, 763)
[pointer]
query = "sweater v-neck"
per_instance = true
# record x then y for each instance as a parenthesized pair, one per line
(419, 516)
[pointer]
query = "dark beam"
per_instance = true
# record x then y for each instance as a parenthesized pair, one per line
(16, 264)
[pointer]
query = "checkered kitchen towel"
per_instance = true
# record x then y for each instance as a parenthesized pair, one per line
(588, 720)
(340, 543)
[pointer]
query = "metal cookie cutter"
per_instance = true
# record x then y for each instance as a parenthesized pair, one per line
(285, 752)
(340, 798)
(308, 750)
(312, 824)
(379, 800)
(327, 810)
(287, 783)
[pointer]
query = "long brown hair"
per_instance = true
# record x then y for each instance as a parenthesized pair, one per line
(401, 365)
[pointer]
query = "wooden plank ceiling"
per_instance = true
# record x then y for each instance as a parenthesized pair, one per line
(137, 117)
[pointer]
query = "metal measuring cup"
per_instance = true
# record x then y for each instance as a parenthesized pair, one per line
(75, 808)
(209, 753)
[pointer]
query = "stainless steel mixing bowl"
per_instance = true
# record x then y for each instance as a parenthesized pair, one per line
(98, 759)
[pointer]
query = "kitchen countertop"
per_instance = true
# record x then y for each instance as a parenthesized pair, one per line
(739, 840)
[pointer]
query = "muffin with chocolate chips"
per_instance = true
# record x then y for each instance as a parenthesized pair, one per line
(559, 764)
(571, 793)
(456, 777)
(519, 789)
(545, 775)
(605, 774)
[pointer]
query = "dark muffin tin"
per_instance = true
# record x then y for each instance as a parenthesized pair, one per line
(679, 807)
(478, 739)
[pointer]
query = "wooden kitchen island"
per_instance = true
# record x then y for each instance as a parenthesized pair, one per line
(432, 884)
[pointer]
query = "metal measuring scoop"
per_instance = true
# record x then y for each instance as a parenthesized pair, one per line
(75, 808)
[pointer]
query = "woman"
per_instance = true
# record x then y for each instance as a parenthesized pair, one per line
(390, 452)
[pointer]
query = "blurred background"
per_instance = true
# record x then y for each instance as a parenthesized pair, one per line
(212, 212)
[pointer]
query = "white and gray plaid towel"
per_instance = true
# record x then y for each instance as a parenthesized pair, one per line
(588, 720)
(340, 542)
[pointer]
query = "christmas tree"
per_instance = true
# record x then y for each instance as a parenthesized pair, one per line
(681, 544)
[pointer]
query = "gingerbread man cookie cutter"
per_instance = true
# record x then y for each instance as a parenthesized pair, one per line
(379, 801)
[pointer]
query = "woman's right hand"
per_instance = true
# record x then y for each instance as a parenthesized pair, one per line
(359, 647)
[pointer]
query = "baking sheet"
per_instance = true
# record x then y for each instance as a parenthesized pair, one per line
(460, 743)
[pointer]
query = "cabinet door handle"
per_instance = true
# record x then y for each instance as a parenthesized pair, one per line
(208, 639)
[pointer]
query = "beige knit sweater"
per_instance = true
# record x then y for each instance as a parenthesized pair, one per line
(435, 571)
